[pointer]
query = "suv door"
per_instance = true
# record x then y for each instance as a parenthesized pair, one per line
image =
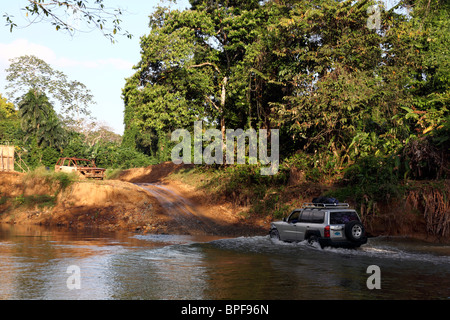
(338, 220)
(288, 230)
(303, 225)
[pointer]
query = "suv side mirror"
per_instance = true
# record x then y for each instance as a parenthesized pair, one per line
(284, 219)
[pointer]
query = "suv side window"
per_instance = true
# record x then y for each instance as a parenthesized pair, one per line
(293, 218)
(313, 216)
(343, 217)
(305, 216)
(317, 217)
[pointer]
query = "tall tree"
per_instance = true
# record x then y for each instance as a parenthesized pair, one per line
(165, 93)
(39, 120)
(188, 61)
(421, 46)
(332, 79)
(31, 73)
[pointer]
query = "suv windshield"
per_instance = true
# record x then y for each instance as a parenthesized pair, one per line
(337, 217)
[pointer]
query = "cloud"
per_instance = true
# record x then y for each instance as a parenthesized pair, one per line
(22, 47)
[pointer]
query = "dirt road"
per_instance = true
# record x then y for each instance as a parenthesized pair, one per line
(189, 209)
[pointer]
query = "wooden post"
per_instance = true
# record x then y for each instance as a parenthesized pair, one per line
(7, 158)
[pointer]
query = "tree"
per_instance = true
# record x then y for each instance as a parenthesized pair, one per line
(317, 70)
(188, 61)
(39, 121)
(29, 73)
(163, 95)
(340, 94)
(7, 109)
(9, 121)
(76, 100)
(422, 46)
(72, 16)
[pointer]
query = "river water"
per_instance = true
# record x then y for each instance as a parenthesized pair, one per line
(59, 264)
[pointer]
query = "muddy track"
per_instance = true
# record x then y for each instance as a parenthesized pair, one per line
(190, 210)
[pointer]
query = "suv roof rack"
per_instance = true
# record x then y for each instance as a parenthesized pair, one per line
(324, 205)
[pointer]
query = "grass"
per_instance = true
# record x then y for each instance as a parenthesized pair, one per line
(242, 185)
(50, 177)
(41, 201)
(50, 181)
(111, 174)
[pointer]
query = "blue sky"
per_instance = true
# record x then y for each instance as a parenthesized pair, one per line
(86, 57)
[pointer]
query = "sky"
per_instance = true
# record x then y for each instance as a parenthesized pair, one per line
(87, 57)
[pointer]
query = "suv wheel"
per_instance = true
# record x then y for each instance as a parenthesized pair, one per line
(354, 230)
(313, 240)
(274, 234)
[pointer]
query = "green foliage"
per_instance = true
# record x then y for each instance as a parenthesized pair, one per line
(192, 67)
(42, 136)
(377, 177)
(6, 109)
(242, 185)
(368, 105)
(116, 157)
(41, 201)
(314, 70)
(9, 121)
(370, 181)
(39, 120)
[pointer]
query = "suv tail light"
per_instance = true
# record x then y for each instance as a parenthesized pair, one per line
(326, 232)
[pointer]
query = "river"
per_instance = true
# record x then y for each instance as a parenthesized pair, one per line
(60, 264)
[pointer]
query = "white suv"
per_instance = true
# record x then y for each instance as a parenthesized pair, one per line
(333, 225)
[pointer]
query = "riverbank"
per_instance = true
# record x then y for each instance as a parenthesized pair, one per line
(125, 204)
(422, 211)
(114, 205)
(111, 205)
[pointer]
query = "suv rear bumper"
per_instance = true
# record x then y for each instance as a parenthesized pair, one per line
(327, 242)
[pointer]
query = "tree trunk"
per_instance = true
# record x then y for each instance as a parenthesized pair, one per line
(222, 107)
(222, 117)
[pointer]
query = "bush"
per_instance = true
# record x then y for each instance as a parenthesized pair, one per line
(369, 181)
(115, 157)
(49, 176)
(375, 177)
(40, 201)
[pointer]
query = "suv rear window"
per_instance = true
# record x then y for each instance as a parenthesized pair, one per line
(337, 217)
